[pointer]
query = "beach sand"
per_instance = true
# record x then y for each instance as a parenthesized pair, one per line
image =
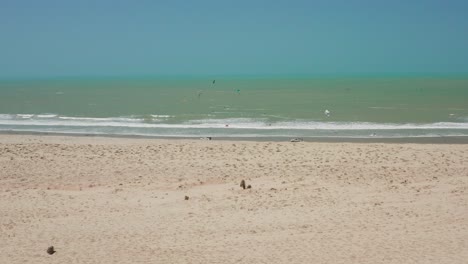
(122, 200)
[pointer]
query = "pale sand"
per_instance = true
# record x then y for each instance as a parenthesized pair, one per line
(112, 200)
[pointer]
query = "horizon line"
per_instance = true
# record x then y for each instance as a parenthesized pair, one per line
(234, 76)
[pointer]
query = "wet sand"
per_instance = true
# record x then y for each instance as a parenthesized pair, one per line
(122, 200)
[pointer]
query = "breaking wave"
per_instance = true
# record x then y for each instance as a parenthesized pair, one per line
(164, 125)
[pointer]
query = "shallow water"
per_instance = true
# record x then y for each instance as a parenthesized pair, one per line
(264, 107)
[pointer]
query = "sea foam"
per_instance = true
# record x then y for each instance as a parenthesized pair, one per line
(165, 126)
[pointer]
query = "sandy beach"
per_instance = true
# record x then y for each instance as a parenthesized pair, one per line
(123, 200)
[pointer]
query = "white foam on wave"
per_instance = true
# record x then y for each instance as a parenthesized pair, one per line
(102, 119)
(47, 116)
(50, 120)
(368, 125)
(5, 116)
(25, 115)
(160, 116)
(248, 123)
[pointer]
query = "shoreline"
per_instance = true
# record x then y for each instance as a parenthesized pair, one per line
(396, 140)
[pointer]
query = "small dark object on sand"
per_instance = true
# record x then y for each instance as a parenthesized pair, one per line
(51, 250)
(249, 186)
(296, 140)
(186, 197)
(242, 184)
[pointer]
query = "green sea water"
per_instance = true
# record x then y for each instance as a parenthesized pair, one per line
(241, 106)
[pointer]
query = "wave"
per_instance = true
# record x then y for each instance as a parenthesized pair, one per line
(157, 121)
(47, 116)
(25, 116)
(101, 119)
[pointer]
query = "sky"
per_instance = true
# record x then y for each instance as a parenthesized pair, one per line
(214, 37)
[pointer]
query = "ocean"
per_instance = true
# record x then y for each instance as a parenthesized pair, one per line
(344, 107)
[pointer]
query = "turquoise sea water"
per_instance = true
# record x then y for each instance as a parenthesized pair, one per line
(239, 107)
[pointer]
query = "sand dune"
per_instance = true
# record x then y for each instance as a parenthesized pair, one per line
(114, 200)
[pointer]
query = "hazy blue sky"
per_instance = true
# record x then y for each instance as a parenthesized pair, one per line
(112, 37)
